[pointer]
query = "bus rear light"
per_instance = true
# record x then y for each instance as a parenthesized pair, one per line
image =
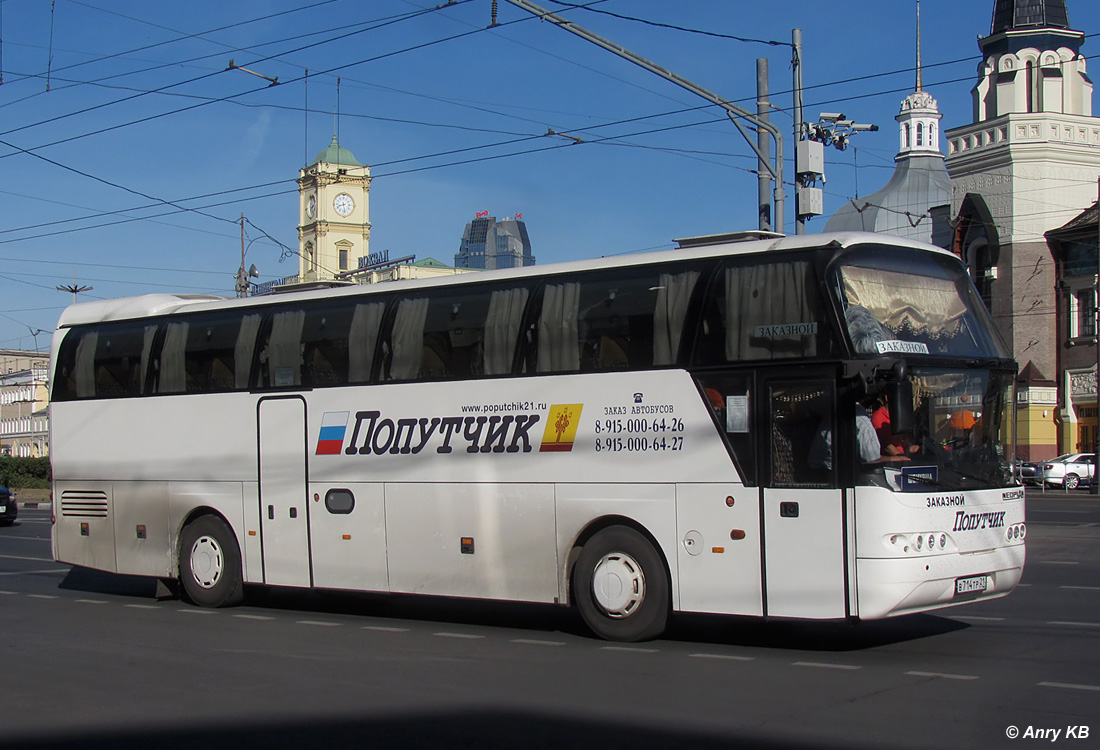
(943, 540)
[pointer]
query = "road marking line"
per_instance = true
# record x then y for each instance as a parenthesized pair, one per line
(823, 665)
(533, 642)
(33, 572)
(254, 617)
(726, 657)
(33, 559)
(1074, 624)
(319, 623)
(1081, 588)
(42, 596)
(92, 601)
(1057, 562)
(944, 675)
(467, 636)
(142, 606)
(8, 593)
(634, 649)
(385, 629)
(1069, 686)
(196, 611)
(977, 617)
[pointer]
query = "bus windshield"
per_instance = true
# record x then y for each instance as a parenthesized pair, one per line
(900, 301)
(962, 435)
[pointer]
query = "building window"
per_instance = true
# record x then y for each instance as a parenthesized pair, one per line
(920, 134)
(1082, 313)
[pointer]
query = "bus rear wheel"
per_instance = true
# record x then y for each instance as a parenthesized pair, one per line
(620, 586)
(210, 563)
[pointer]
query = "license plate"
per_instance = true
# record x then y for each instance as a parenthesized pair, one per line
(971, 585)
(3, 509)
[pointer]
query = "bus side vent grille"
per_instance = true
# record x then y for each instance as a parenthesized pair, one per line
(84, 503)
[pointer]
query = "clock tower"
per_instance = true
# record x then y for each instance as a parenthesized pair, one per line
(334, 216)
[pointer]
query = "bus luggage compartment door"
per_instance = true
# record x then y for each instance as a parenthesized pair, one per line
(284, 510)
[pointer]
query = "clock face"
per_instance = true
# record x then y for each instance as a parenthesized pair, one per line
(343, 204)
(311, 208)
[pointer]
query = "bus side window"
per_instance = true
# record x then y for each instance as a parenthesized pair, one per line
(120, 356)
(325, 338)
(633, 318)
(803, 435)
(210, 357)
(763, 311)
(730, 400)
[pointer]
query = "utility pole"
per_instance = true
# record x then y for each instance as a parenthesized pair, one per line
(734, 112)
(763, 145)
(809, 161)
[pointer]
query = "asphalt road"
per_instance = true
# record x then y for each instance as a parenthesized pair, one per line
(94, 660)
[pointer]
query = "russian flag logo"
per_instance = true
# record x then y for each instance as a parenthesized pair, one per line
(334, 425)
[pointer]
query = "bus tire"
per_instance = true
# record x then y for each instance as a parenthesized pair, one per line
(620, 586)
(210, 563)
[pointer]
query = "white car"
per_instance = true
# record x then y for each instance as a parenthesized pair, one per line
(1068, 470)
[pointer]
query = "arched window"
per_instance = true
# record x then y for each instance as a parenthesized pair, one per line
(920, 134)
(905, 136)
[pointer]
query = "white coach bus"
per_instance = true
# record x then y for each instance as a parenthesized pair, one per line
(672, 432)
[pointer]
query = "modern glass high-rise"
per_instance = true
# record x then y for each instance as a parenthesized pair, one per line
(488, 244)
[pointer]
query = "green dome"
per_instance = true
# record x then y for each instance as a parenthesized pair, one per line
(336, 154)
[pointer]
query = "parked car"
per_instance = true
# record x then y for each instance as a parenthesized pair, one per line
(8, 507)
(1069, 470)
(1027, 472)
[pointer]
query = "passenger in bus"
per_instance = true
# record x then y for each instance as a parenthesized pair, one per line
(892, 445)
(865, 330)
(821, 451)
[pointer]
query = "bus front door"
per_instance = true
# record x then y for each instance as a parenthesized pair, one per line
(805, 571)
(284, 510)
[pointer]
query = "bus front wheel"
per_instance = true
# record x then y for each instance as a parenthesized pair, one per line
(620, 586)
(210, 563)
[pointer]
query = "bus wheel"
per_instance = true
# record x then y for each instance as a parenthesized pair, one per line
(620, 586)
(210, 563)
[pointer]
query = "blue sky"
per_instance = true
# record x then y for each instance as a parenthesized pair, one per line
(146, 149)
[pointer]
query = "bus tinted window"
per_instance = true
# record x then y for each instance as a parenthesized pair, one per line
(466, 334)
(206, 353)
(764, 311)
(104, 361)
(610, 321)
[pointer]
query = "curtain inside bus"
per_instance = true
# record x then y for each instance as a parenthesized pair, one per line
(172, 376)
(246, 345)
(673, 295)
(763, 302)
(362, 339)
(84, 369)
(502, 324)
(907, 305)
(558, 332)
(407, 339)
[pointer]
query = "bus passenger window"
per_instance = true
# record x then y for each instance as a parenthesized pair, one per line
(764, 311)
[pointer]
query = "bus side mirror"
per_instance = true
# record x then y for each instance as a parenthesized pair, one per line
(899, 394)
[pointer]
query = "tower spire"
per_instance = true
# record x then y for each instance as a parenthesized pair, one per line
(920, 82)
